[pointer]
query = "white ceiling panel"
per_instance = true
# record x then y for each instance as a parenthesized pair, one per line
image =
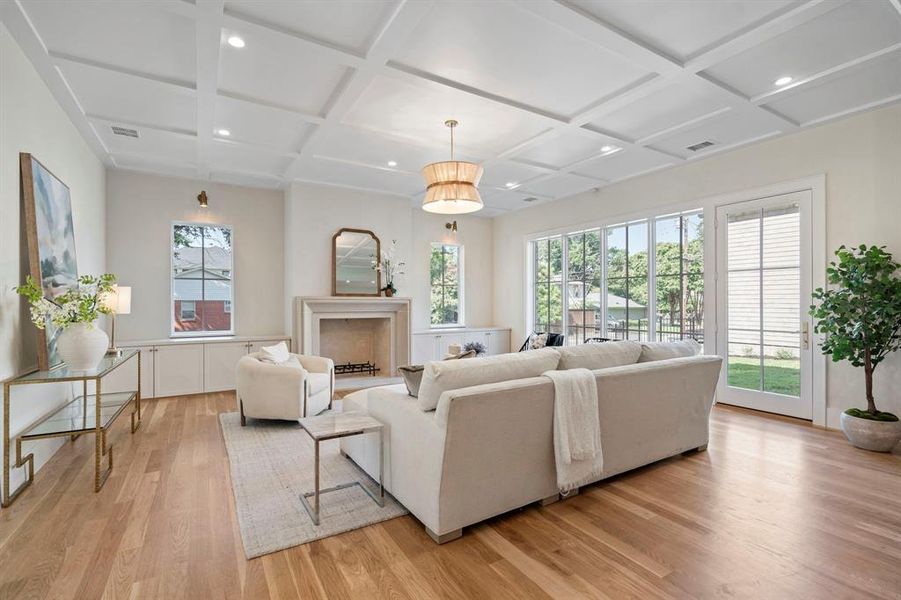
(418, 111)
(176, 147)
(499, 174)
(558, 186)
(874, 82)
(349, 24)
(278, 70)
(673, 105)
(492, 46)
(234, 157)
(626, 163)
(156, 38)
(509, 200)
(327, 171)
(727, 129)
(122, 97)
(846, 33)
(685, 28)
(155, 165)
(249, 180)
(261, 125)
(566, 148)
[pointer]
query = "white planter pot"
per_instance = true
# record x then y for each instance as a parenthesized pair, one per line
(879, 436)
(82, 346)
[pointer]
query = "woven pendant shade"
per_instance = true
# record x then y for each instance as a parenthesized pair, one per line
(452, 187)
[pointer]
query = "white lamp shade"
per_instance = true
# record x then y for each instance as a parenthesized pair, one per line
(119, 300)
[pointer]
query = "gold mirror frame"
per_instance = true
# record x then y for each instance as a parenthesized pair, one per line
(378, 255)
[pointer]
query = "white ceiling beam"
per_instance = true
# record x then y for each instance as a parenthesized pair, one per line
(181, 85)
(208, 39)
(19, 25)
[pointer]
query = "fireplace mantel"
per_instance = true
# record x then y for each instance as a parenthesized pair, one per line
(310, 310)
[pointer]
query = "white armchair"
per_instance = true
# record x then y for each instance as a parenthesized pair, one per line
(302, 387)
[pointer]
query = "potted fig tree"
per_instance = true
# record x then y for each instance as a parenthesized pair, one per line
(860, 319)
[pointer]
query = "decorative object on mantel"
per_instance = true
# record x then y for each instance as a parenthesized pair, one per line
(119, 303)
(390, 267)
(354, 252)
(81, 344)
(202, 199)
(860, 318)
(452, 186)
(477, 347)
(51, 243)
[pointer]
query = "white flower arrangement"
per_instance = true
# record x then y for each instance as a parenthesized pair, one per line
(82, 303)
(389, 267)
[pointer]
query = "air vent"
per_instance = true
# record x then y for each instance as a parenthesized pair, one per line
(125, 131)
(530, 199)
(700, 146)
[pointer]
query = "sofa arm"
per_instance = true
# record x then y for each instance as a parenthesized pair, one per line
(316, 364)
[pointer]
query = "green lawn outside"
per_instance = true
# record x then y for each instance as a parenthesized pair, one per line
(780, 376)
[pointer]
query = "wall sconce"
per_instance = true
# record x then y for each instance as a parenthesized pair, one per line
(202, 199)
(451, 226)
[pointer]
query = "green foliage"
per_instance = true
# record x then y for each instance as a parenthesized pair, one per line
(861, 317)
(82, 303)
(879, 416)
(444, 274)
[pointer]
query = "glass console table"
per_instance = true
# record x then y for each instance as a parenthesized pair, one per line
(85, 414)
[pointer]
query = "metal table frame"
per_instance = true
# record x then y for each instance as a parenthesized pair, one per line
(99, 427)
(313, 511)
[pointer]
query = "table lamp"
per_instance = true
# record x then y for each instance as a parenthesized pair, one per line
(119, 302)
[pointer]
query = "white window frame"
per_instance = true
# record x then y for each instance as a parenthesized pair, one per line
(195, 334)
(461, 318)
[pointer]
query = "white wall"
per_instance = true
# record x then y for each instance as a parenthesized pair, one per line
(313, 213)
(861, 157)
(140, 211)
(32, 121)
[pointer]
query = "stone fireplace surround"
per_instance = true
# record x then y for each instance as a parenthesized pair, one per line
(311, 311)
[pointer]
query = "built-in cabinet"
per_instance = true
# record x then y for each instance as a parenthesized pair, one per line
(181, 367)
(433, 344)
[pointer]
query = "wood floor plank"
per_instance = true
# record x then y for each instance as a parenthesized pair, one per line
(775, 508)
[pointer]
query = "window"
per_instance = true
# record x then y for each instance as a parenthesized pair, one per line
(187, 310)
(202, 282)
(548, 285)
(640, 280)
(446, 266)
(679, 260)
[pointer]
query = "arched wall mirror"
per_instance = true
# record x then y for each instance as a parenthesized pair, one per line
(354, 254)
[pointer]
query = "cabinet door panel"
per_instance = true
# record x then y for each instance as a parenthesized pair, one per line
(178, 370)
(219, 363)
(499, 342)
(423, 348)
(443, 341)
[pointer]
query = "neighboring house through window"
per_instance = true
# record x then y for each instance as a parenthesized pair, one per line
(446, 268)
(202, 279)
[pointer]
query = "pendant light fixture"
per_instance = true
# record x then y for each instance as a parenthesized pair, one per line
(452, 186)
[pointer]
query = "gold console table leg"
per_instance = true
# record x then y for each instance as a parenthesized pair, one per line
(27, 461)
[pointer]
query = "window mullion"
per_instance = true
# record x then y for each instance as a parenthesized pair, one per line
(652, 279)
(564, 282)
(603, 257)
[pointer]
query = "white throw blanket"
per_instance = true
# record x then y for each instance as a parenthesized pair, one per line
(577, 428)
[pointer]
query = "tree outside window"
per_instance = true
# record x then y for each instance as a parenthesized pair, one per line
(445, 267)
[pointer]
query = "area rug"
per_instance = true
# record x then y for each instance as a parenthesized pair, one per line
(271, 465)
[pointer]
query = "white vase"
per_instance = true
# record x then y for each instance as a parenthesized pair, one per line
(82, 346)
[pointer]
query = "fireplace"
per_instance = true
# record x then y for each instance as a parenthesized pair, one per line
(355, 331)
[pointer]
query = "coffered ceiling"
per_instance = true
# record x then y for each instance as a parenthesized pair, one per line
(553, 97)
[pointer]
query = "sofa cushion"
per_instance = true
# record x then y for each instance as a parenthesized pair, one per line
(651, 351)
(599, 356)
(439, 377)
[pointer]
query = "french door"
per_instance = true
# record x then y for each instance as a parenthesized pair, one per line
(763, 281)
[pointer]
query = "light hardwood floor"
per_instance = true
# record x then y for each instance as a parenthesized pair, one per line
(774, 509)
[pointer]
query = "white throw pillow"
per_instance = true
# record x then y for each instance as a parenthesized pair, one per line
(441, 376)
(537, 340)
(276, 354)
(599, 356)
(651, 351)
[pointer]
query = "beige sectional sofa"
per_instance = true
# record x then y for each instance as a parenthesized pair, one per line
(488, 447)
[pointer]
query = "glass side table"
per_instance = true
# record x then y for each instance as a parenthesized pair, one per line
(75, 418)
(338, 425)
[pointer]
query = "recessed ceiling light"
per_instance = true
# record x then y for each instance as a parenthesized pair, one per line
(784, 80)
(392, 163)
(510, 184)
(224, 132)
(607, 148)
(236, 42)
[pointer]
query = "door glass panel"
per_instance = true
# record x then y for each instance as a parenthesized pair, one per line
(743, 301)
(781, 273)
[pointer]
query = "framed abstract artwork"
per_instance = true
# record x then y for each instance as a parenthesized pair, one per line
(51, 243)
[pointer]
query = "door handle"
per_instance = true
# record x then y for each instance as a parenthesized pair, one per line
(805, 335)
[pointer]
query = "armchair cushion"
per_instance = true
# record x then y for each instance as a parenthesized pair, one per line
(276, 354)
